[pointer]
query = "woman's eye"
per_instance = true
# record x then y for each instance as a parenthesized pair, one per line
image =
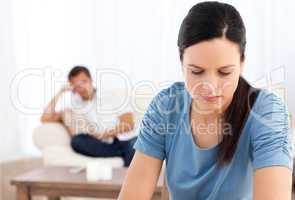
(224, 73)
(197, 72)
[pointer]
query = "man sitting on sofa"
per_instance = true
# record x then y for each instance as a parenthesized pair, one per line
(88, 136)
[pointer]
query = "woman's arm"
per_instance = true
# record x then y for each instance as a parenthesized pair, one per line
(49, 114)
(272, 149)
(142, 177)
(145, 168)
(272, 183)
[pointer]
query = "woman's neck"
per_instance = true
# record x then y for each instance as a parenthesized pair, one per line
(205, 117)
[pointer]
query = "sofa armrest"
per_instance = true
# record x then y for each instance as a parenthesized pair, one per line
(51, 134)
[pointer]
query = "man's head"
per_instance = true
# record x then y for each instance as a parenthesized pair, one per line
(80, 78)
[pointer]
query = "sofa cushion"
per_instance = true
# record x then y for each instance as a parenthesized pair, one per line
(51, 134)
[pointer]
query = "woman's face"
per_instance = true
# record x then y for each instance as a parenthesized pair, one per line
(211, 70)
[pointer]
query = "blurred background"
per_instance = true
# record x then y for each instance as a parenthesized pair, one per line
(40, 40)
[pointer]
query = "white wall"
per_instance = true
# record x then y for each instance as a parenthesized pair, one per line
(9, 135)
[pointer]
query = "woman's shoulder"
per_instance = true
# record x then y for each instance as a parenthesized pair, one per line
(268, 101)
(269, 112)
(176, 88)
(270, 135)
(172, 97)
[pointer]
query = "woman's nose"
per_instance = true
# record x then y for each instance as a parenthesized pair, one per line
(209, 87)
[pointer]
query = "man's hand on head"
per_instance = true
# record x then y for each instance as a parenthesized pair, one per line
(67, 87)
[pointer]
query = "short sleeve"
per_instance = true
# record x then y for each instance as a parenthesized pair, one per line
(271, 134)
(151, 137)
(65, 102)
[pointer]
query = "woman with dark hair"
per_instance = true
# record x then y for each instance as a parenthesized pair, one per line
(221, 138)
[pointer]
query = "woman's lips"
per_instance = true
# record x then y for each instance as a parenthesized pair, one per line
(210, 98)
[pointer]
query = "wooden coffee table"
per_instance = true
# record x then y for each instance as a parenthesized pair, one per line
(55, 182)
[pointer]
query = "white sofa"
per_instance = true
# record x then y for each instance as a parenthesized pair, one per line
(54, 142)
(53, 139)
